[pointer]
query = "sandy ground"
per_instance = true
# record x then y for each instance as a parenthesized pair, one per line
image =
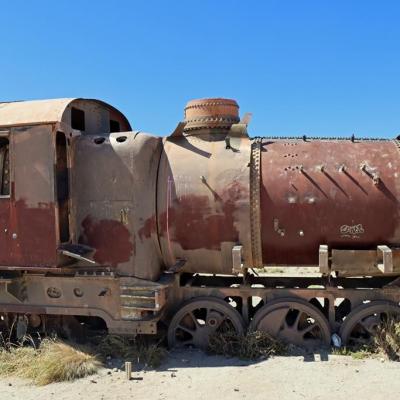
(193, 375)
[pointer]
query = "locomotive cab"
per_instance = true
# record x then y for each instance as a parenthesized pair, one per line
(35, 166)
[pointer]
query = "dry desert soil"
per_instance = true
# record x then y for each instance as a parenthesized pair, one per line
(191, 374)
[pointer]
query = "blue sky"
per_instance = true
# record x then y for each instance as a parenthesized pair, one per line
(301, 67)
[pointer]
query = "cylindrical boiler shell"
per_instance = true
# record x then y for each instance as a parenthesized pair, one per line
(203, 202)
(335, 192)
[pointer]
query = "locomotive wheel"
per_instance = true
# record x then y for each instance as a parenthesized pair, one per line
(361, 324)
(293, 321)
(200, 318)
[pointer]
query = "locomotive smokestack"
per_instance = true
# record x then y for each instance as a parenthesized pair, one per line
(213, 113)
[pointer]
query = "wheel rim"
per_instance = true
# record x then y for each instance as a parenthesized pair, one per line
(293, 321)
(196, 321)
(362, 323)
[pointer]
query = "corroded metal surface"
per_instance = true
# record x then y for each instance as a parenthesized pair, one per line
(203, 202)
(32, 112)
(211, 113)
(293, 321)
(98, 221)
(114, 208)
(200, 318)
(29, 215)
(363, 322)
(42, 112)
(323, 192)
(255, 203)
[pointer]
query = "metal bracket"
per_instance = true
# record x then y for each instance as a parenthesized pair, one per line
(371, 172)
(384, 259)
(238, 131)
(178, 130)
(124, 216)
(177, 267)
(237, 265)
(5, 295)
(323, 262)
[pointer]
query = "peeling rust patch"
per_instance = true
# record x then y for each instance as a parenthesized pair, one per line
(195, 223)
(29, 236)
(148, 228)
(111, 240)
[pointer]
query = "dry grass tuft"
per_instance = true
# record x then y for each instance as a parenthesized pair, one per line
(52, 362)
(140, 350)
(252, 346)
(360, 353)
(387, 339)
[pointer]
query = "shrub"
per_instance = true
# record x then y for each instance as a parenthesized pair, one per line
(387, 339)
(53, 361)
(252, 346)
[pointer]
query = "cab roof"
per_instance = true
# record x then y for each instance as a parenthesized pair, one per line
(40, 112)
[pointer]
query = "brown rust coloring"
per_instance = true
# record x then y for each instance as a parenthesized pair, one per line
(315, 192)
(211, 113)
(29, 235)
(111, 240)
(194, 225)
(148, 229)
(197, 227)
(203, 201)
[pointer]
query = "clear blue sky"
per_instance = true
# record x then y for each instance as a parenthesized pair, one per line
(302, 67)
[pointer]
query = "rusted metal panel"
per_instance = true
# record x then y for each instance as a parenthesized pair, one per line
(33, 164)
(113, 200)
(42, 112)
(237, 262)
(211, 113)
(203, 202)
(92, 295)
(317, 192)
(32, 112)
(385, 259)
(364, 262)
(28, 222)
(323, 259)
(29, 217)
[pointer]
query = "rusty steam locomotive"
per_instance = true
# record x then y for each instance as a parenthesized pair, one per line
(117, 228)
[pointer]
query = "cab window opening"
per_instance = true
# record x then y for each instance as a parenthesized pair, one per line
(77, 119)
(62, 186)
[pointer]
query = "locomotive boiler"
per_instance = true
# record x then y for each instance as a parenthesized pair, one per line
(102, 226)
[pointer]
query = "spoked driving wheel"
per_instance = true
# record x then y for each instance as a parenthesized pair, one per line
(362, 323)
(200, 318)
(293, 321)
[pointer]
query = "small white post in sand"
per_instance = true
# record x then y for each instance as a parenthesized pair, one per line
(128, 369)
